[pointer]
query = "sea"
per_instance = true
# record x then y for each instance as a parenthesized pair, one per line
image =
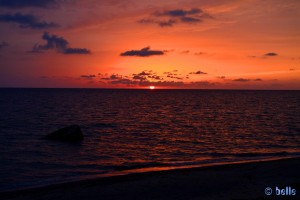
(135, 131)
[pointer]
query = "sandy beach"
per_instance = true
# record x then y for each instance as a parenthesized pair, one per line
(231, 181)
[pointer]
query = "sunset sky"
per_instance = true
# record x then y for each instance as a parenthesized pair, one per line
(205, 44)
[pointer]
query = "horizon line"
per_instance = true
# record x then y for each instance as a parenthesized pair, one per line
(91, 88)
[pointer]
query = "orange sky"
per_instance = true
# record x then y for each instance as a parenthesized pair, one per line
(219, 44)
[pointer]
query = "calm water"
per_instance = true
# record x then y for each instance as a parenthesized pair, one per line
(139, 129)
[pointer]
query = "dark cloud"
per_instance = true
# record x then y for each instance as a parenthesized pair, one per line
(150, 78)
(129, 82)
(221, 77)
(179, 12)
(201, 84)
(168, 50)
(145, 21)
(53, 42)
(59, 44)
(77, 51)
(271, 54)
(140, 78)
(145, 52)
(88, 76)
(163, 83)
(161, 23)
(246, 80)
(116, 79)
(124, 81)
(155, 77)
(112, 77)
(190, 20)
(241, 80)
(146, 76)
(173, 75)
(199, 53)
(3, 44)
(144, 73)
(28, 3)
(26, 21)
(168, 18)
(167, 23)
(186, 51)
(198, 72)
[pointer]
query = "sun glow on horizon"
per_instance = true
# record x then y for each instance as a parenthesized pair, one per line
(151, 87)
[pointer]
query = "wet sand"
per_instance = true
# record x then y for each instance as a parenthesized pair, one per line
(231, 181)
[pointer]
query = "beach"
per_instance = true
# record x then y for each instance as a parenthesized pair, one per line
(229, 181)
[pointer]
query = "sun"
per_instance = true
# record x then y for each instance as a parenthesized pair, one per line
(151, 87)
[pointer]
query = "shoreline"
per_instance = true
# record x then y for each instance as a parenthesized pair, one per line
(246, 169)
(147, 170)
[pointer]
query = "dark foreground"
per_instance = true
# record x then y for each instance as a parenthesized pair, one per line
(234, 181)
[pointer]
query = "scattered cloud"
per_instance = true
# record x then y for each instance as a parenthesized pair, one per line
(3, 44)
(168, 50)
(28, 3)
(198, 72)
(144, 52)
(139, 77)
(163, 83)
(241, 80)
(168, 18)
(26, 21)
(179, 12)
(88, 76)
(185, 52)
(201, 84)
(124, 81)
(246, 80)
(155, 77)
(271, 54)
(116, 79)
(59, 44)
(167, 23)
(166, 79)
(161, 23)
(111, 77)
(173, 75)
(77, 51)
(195, 14)
(146, 76)
(199, 53)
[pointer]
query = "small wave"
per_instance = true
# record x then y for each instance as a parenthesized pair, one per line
(131, 166)
(214, 158)
(103, 125)
(271, 154)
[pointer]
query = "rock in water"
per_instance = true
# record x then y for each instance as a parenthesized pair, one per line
(69, 134)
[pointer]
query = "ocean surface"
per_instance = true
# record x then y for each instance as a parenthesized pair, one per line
(140, 130)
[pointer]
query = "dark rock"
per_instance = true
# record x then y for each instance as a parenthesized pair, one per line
(69, 134)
